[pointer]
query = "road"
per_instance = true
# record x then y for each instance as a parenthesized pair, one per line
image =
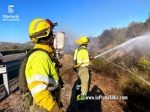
(12, 63)
(13, 57)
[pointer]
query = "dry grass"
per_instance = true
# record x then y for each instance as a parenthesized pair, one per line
(110, 81)
(128, 80)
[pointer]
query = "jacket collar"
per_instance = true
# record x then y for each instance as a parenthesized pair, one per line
(45, 47)
(81, 47)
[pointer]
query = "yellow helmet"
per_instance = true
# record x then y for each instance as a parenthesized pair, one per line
(82, 40)
(39, 28)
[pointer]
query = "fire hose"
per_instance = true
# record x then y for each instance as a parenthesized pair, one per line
(126, 69)
(76, 66)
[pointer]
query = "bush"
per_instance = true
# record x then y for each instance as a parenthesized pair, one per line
(137, 90)
(143, 62)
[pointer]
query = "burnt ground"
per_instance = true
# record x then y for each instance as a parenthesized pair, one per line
(100, 85)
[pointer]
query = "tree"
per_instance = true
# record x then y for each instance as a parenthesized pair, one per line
(14, 47)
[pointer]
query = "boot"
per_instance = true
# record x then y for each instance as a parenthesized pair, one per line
(81, 101)
(78, 92)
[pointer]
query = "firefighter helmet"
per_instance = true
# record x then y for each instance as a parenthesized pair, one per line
(82, 40)
(39, 28)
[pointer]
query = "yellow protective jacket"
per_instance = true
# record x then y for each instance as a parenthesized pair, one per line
(41, 73)
(81, 56)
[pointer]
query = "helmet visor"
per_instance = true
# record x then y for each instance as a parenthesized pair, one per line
(42, 33)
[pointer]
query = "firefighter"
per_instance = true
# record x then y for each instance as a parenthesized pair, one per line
(41, 72)
(82, 61)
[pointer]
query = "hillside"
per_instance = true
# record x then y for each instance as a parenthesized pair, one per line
(5, 46)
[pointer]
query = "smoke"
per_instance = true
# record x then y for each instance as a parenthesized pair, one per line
(73, 35)
(139, 46)
(70, 37)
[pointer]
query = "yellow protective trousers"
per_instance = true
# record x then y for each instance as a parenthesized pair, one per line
(83, 74)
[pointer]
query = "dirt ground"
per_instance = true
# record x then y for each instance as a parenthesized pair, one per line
(100, 86)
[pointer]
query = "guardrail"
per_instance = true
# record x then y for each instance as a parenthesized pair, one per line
(8, 85)
(3, 71)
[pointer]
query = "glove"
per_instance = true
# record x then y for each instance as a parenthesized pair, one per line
(91, 58)
(75, 69)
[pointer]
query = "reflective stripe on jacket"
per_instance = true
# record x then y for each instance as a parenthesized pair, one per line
(82, 57)
(41, 73)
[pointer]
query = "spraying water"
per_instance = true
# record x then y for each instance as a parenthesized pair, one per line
(141, 43)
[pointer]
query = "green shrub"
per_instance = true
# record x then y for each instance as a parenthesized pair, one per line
(143, 62)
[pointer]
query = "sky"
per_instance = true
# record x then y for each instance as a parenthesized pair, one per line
(74, 17)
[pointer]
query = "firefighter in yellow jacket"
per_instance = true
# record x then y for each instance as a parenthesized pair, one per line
(82, 61)
(41, 73)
